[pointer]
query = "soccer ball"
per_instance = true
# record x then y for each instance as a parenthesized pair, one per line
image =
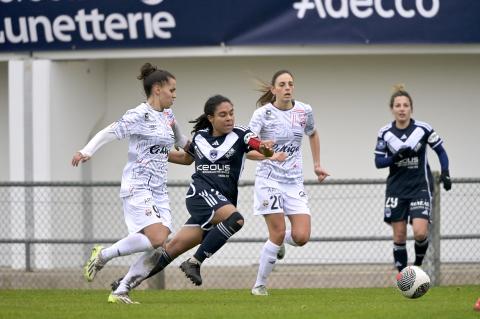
(413, 282)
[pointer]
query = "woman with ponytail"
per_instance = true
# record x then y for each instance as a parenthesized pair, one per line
(152, 132)
(279, 190)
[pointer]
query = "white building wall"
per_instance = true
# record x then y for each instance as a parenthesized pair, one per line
(78, 103)
(349, 95)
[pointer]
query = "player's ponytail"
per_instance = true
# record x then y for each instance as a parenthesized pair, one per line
(266, 89)
(399, 90)
(151, 75)
(209, 109)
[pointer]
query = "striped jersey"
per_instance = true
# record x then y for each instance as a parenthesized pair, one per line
(286, 129)
(150, 139)
(411, 176)
(219, 160)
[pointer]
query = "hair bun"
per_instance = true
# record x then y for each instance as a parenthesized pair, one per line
(400, 87)
(146, 70)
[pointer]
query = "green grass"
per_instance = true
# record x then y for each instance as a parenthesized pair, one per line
(385, 303)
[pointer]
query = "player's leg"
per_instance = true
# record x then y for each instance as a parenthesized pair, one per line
(295, 205)
(396, 215)
(227, 221)
(420, 219)
(400, 255)
(268, 256)
(268, 202)
(151, 263)
(140, 212)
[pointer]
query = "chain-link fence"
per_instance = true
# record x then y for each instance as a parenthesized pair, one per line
(48, 229)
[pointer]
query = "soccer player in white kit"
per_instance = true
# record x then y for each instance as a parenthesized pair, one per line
(152, 132)
(279, 189)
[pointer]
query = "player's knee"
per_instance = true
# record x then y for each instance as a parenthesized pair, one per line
(420, 236)
(234, 222)
(301, 239)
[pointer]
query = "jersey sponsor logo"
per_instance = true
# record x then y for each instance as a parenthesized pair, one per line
(433, 138)
(404, 137)
(213, 168)
(410, 163)
(290, 149)
(157, 149)
(147, 117)
(420, 204)
(215, 143)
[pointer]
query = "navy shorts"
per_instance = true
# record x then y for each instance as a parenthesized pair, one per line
(398, 209)
(202, 202)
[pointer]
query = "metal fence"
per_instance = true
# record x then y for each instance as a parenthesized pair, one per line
(47, 230)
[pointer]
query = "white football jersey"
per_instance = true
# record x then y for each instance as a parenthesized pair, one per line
(150, 139)
(286, 129)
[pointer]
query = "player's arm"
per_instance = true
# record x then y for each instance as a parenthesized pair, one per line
(257, 156)
(179, 157)
(181, 141)
(444, 163)
(314, 140)
(101, 138)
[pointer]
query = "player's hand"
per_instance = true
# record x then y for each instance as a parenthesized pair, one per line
(321, 173)
(445, 178)
(403, 153)
(266, 148)
(279, 156)
(79, 158)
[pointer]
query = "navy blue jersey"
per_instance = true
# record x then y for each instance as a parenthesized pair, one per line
(410, 177)
(219, 160)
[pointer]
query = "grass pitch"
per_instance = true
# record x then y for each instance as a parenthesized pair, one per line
(438, 303)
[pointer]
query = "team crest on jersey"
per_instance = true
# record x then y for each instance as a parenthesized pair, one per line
(265, 203)
(213, 154)
(148, 212)
(147, 117)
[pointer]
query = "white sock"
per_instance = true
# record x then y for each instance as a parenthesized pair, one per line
(268, 257)
(133, 243)
(138, 271)
(288, 238)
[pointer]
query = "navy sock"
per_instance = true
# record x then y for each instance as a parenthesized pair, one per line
(163, 262)
(218, 236)
(400, 255)
(421, 247)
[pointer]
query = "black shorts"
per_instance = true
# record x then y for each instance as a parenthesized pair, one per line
(398, 209)
(202, 202)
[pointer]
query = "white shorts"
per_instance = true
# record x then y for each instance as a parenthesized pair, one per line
(142, 209)
(273, 197)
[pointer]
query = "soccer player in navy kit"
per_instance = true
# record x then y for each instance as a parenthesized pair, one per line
(218, 148)
(402, 147)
